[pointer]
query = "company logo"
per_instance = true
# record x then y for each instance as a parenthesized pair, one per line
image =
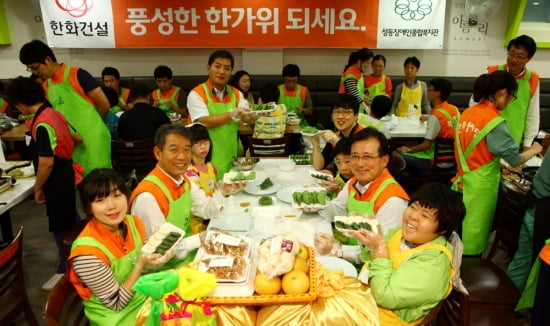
(413, 9)
(75, 8)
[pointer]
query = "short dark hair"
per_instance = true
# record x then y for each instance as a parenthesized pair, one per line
(221, 54)
(162, 72)
(168, 129)
(24, 90)
(363, 54)
(110, 71)
(448, 204)
(524, 41)
(381, 105)
(346, 101)
(486, 85)
(368, 133)
(412, 60)
(139, 91)
(270, 93)
(443, 86)
(99, 184)
(234, 81)
(35, 51)
(291, 70)
(343, 146)
(111, 95)
(379, 57)
(200, 132)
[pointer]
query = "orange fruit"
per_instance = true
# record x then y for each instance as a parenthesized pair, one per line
(300, 264)
(265, 286)
(304, 251)
(295, 282)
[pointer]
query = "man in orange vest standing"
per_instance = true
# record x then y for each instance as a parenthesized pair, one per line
(522, 115)
(78, 96)
(169, 98)
(219, 107)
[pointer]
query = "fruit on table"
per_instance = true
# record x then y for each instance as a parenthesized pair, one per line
(295, 282)
(265, 286)
(304, 252)
(300, 264)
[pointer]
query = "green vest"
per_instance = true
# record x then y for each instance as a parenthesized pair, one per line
(94, 309)
(165, 108)
(293, 103)
(224, 138)
(377, 88)
(95, 150)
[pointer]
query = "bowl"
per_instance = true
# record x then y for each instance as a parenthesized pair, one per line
(287, 165)
(245, 163)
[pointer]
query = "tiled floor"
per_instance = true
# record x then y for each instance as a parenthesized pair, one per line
(39, 252)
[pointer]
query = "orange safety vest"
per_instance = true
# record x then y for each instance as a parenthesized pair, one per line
(447, 128)
(357, 74)
(392, 190)
(158, 95)
(115, 244)
(148, 186)
(471, 122)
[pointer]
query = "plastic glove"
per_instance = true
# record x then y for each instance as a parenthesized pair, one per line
(186, 245)
(330, 136)
(326, 245)
(231, 188)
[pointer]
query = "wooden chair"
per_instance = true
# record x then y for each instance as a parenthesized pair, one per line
(444, 163)
(455, 310)
(13, 296)
(276, 147)
(63, 306)
(135, 155)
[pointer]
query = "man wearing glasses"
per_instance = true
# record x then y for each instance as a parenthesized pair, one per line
(522, 115)
(78, 96)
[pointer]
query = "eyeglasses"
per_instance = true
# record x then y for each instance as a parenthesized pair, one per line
(343, 113)
(366, 158)
(33, 69)
(513, 55)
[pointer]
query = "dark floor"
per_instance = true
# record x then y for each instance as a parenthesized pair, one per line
(40, 257)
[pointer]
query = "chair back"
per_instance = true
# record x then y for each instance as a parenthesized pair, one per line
(455, 310)
(444, 153)
(13, 296)
(63, 306)
(275, 147)
(133, 155)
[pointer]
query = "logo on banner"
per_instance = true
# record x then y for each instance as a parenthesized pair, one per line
(413, 9)
(75, 8)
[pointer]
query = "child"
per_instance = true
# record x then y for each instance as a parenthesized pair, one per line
(201, 171)
(106, 259)
(411, 95)
(411, 272)
(55, 177)
(380, 107)
(377, 83)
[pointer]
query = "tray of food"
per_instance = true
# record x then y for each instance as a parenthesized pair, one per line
(320, 176)
(262, 187)
(164, 239)
(232, 269)
(239, 176)
(311, 199)
(356, 222)
(301, 159)
(309, 131)
(264, 108)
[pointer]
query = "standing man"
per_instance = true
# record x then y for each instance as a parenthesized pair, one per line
(294, 96)
(522, 115)
(169, 98)
(219, 107)
(111, 78)
(78, 96)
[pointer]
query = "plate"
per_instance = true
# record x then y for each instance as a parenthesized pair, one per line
(309, 134)
(253, 188)
(285, 194)
(335, 263)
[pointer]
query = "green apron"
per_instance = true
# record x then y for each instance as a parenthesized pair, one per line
(165, 108)
(360, 88)
(224, 137)
(95, 150)
(366, 208)
(527, 299)
(378, 88)
(428, 154)
(293, 103)
(362, 120)
(479, 193)
(179, 215)
(121, 99)
(516, 111)
(95, 310)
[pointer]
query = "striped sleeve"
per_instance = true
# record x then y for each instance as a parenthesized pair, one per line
(99, 278)
(351, 88)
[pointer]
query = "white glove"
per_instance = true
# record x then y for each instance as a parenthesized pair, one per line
(186, 245)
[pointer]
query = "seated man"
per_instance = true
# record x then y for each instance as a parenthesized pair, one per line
(169, 98)
(441, 123)
(371, 192)
(111, 79)
(167, 195)
(412, 271)
(294, 96)
(142, 120)
(379, 108)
